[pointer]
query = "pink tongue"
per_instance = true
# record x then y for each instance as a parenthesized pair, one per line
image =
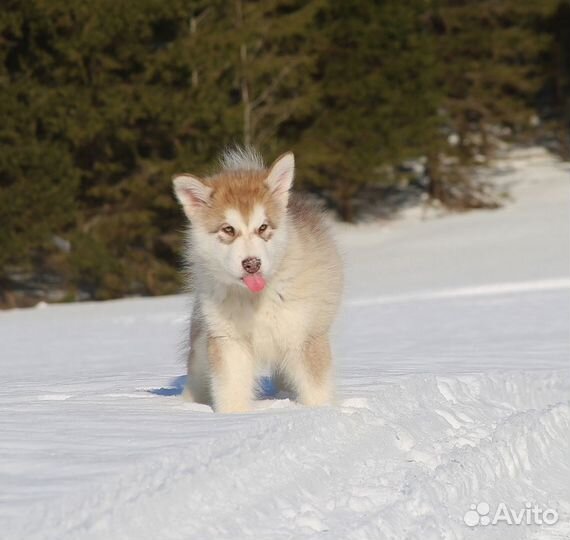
(254, 282)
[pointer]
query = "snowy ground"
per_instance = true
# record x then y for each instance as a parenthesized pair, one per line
(453, 354)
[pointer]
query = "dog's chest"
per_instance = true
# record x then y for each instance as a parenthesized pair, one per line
(270, 326)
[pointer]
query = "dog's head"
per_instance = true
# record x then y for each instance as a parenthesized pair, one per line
(239, 225)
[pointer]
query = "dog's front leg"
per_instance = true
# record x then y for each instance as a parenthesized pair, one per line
(231, 366)
(309, 369)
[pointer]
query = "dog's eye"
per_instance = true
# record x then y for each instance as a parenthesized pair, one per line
(229, 230)
(263, 228)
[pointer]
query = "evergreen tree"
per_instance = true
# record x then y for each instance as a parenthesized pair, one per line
(558, 109)
(491, 52)
(103, 101)
(259, 67)
(38, 182)
(108, 96)
(377, 96)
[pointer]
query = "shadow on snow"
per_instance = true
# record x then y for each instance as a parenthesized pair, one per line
(266, 388)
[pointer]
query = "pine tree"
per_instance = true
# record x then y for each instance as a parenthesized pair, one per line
(89, 97)
(259, 67)
(103, 101)
(492, 53)
(38, 182)
(558, 108)
(377, 96)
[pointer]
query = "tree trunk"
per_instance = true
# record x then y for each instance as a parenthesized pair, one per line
(245, 97)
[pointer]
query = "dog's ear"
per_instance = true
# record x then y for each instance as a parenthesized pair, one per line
(280, 177)
(192, 193)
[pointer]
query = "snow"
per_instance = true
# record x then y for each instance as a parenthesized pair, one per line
(453, 384)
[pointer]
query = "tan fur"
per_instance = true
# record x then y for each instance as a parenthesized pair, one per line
(318, 357)
(214, 354)
(241, 190)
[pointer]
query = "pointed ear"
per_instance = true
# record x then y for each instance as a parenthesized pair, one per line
(192, 193)
(280, 177)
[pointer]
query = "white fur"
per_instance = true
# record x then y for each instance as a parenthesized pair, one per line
(280, 178)
(232, 388)
(191, 192)
(224, 261)
(241, 159)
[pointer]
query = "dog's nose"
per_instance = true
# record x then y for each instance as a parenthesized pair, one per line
(251, 265)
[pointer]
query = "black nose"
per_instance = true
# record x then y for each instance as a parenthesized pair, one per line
(251, 265)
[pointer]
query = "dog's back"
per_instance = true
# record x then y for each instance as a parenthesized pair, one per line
(314, 260)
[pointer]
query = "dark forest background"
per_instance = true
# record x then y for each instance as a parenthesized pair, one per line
(101, 102)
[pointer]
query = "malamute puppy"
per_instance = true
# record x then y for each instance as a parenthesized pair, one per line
(266, 278)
